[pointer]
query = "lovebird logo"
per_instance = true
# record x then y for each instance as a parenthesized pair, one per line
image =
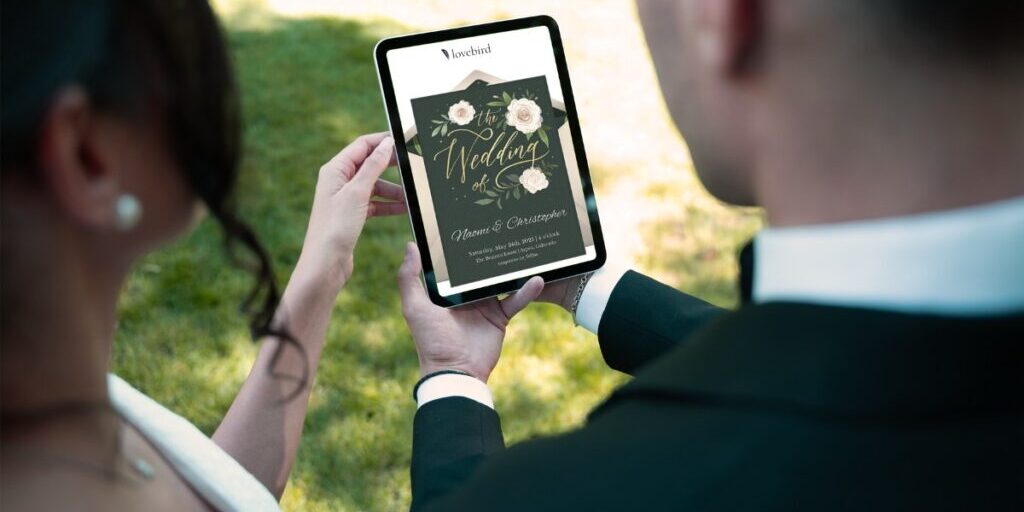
(469, 52)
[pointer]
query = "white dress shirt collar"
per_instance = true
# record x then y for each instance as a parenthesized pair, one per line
(967, 261)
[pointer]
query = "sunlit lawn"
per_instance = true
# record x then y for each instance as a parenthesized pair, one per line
(309, 87)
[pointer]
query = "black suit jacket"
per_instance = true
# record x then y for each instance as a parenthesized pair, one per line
(773, 407)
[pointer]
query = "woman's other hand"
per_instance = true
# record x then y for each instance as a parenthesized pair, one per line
(348, 191)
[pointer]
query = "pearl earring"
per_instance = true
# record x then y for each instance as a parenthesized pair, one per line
(129, 212)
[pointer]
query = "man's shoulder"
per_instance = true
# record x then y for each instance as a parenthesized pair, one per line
(668, 454)
(840, 362)
(788, 402)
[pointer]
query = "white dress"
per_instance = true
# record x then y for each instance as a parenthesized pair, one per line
(208, 469)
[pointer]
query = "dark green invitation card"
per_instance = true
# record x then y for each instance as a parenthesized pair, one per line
(497, 178)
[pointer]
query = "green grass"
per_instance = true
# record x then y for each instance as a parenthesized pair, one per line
(309, 87)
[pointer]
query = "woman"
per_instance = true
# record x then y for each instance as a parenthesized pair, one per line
(119, 119)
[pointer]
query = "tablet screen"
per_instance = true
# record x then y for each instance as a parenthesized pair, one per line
(489, 143)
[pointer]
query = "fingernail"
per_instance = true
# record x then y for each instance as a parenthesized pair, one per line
(387, 143)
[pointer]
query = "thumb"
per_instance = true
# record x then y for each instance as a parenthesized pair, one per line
(518, 301)
(375, 164)
(409, 285)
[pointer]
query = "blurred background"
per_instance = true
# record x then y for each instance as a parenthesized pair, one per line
(309, 87)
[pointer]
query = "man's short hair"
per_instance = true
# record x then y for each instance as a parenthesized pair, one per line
(979, 27)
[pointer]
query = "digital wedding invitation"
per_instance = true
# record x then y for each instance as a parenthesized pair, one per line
(492, 158)
(497, 177)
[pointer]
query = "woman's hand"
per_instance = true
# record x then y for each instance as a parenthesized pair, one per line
(468, 338)
(268, 414)
(344, 199)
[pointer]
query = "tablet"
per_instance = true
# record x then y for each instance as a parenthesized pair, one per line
(491, 157)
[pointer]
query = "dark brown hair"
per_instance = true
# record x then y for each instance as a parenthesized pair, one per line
(129, 54)
(980, 29)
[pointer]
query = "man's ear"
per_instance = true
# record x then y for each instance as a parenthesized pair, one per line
(78, 168)
(728, 32)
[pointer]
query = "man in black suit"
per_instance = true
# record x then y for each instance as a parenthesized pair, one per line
(877, 361)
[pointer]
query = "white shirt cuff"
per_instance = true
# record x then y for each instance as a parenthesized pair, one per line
(596, 294)
(448, 385)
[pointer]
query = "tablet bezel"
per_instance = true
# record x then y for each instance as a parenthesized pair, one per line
(405, 168)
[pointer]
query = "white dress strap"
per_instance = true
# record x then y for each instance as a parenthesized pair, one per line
(208, 469)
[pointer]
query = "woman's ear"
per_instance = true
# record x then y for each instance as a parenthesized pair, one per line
(75, 154)
(727, 32)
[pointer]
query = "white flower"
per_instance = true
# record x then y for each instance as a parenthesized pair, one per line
(461, 113)
(524, 115)
(533, 180)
